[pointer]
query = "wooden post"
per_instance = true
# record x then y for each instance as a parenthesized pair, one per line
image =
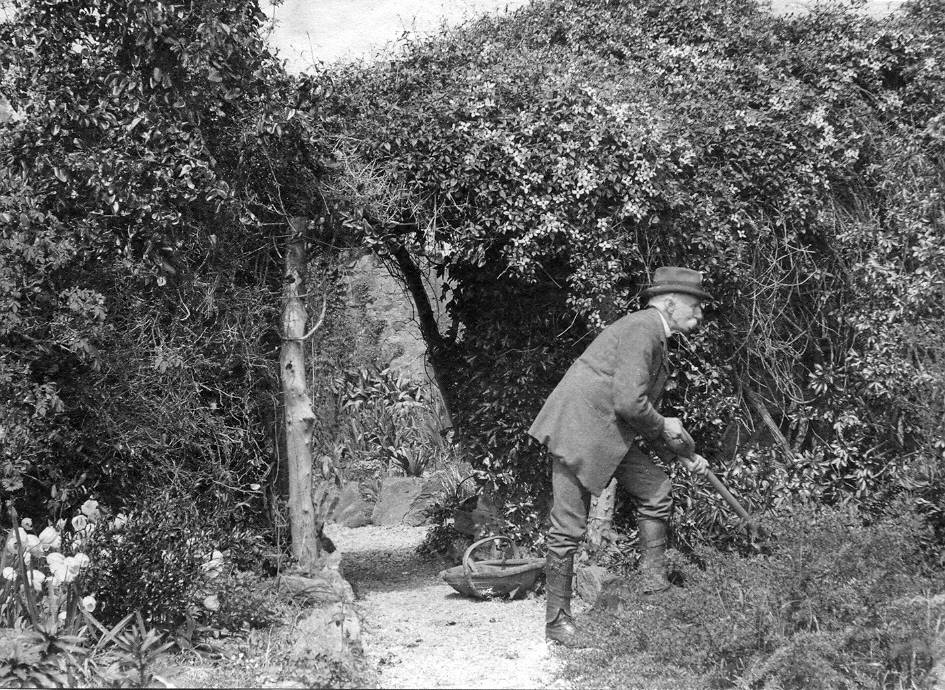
(299, 417)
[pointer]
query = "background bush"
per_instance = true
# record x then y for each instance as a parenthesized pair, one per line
(548, 161)
(145, 190)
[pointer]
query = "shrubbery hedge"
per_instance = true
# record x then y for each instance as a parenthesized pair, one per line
(548, 161)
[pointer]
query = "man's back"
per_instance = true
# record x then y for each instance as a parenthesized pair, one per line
(606, 398)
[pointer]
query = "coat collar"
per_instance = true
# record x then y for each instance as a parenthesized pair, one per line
(667, 331)
(661, 327)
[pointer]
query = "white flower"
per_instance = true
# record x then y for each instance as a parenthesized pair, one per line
(64, 569)
(62, 616)
(50, 539)
(8, 574)
(211, 603)
(89, 603)
(37, 579)
(81, 560)
(60, 524)
(33, 545)
(90, 510)
(11, 545)
(79, 523)
(57, 566)
(119, 522)
(27, 524)
(214, 565)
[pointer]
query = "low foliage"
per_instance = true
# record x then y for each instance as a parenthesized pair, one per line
(51, 636)
(456, 489)
(838, 603)
(391, 425)
(40, 660)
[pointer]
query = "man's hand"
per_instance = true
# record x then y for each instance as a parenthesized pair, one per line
(676, 438)
(695, 463)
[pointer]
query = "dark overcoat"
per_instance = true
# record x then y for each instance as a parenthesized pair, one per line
(606, 398)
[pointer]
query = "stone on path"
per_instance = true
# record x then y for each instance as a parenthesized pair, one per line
(431, 491)
(396, 496)
(352, 510)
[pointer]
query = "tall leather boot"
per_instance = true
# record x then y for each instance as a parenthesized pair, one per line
(559, 625)
(653, 560)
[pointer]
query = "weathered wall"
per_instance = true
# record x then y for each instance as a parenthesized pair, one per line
(386, 306)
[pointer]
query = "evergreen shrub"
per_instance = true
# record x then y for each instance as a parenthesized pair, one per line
(548, 161)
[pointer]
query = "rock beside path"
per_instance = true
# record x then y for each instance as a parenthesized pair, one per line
(395, 500)
(352, 510)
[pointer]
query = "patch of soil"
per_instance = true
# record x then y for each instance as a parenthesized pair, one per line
(419, 632)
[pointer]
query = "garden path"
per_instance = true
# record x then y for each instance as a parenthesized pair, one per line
(418, 632)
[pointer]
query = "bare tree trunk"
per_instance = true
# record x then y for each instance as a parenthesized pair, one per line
(429, 330)
(299, 417)
(600, 518)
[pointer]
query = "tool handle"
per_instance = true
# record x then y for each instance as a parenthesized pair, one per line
(727, 495)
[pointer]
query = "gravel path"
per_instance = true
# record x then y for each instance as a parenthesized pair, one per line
(419, 633)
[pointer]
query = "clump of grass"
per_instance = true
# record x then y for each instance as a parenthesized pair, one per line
(838, 603)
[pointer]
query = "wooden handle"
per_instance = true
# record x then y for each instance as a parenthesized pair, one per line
(727, 495)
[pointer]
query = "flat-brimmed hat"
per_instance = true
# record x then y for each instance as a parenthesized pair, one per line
(676, 279)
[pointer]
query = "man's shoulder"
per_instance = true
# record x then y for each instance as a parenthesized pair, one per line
(644, 320)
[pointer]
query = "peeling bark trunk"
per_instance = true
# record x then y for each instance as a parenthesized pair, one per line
(600, 518)
(299, 417)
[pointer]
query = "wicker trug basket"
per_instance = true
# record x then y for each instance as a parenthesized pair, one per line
(511, 577)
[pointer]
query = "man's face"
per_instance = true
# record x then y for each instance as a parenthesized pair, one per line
(684, 313)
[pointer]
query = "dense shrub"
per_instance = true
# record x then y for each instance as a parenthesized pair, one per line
(145, 188)
(550, 160)
(152, 563)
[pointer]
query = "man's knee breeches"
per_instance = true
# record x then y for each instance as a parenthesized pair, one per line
(649, 488)
(570, 504)
(648, 485)
(657, 504)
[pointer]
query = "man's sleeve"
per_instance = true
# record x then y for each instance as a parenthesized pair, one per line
(638, 356)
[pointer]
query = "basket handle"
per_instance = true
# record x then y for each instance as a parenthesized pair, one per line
(468, 568)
